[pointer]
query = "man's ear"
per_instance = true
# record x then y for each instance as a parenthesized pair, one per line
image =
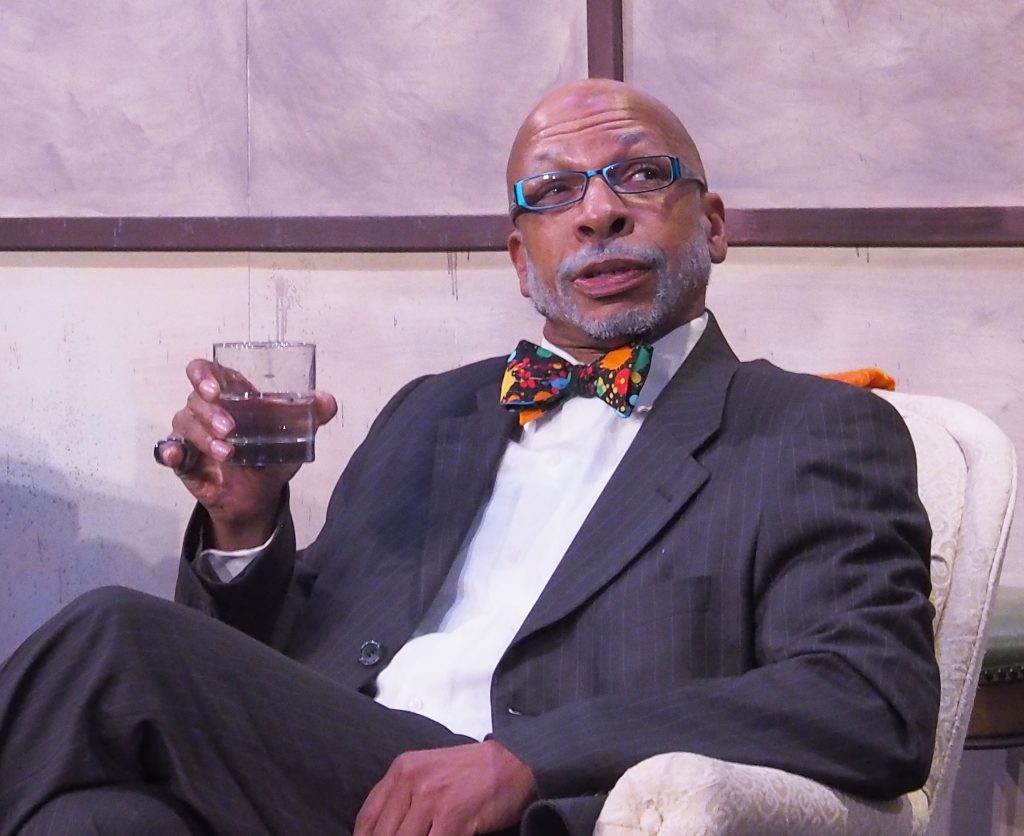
(517, 252)
(714, 211)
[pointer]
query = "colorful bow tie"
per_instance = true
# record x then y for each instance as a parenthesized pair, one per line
(537, 380)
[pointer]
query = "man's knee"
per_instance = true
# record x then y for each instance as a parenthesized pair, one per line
(112, 811)
(107, 620)
(115, 604)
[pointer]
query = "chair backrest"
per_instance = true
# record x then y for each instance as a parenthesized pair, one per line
(967, 475)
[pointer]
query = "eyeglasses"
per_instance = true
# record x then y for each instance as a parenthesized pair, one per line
(555, 189)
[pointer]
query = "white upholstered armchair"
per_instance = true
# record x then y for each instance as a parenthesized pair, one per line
(967, 475)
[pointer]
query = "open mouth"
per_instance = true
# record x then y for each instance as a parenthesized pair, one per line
(610, 277)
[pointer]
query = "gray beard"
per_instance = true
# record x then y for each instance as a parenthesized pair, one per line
(558, 304)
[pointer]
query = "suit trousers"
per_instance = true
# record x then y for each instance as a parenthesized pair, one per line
(100, 811)
(129, 707)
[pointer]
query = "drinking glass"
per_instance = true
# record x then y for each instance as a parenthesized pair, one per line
(268, 389)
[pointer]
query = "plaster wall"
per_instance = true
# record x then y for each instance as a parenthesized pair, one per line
(93, 349)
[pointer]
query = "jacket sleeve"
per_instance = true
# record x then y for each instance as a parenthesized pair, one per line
(844, 687)
(267, 597)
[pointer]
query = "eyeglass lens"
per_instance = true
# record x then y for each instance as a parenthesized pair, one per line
(641, 174)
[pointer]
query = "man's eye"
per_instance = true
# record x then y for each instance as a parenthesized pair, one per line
(643, 172)
(554, 187)
(549, 190)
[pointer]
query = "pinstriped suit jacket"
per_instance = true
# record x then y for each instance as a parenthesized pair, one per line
(752, 584)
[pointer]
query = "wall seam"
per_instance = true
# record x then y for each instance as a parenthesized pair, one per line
(248, 119)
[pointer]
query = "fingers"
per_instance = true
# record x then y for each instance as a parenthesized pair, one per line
(201, 427)
(391, 809)
(373, 807)
(203, 421)
(206, 425)
(201, 375)
(454, 791)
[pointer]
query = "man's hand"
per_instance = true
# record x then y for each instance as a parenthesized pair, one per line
(242, 501)
(459, 791)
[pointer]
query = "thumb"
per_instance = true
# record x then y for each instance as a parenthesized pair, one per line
(325, 407)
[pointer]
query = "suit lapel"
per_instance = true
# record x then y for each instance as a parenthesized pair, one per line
(655, 479)
(467, 454)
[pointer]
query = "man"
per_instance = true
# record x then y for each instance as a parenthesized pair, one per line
(731, 561)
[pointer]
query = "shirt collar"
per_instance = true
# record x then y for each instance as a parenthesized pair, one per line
(669, 353)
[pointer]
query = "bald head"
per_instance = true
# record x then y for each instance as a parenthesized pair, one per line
(549, 132)
(610, 263)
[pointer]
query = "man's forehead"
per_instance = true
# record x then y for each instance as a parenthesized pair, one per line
(590, 123)
(570, 146)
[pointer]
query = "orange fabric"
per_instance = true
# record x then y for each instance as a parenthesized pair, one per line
(864, 378)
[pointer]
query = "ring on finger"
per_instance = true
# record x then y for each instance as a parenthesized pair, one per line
(189, 452)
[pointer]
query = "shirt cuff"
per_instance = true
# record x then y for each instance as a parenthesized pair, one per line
(225, 566)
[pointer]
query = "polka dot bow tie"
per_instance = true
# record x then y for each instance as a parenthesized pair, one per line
(537, 380)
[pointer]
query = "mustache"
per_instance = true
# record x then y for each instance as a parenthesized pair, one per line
(651, 256)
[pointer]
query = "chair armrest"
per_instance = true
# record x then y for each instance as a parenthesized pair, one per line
(683, 794)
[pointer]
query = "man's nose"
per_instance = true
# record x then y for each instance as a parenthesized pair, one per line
(602, 212)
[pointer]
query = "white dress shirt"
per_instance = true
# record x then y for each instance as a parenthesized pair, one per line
(546, 484)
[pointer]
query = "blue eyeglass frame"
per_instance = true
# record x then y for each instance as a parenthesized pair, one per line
(679, 172)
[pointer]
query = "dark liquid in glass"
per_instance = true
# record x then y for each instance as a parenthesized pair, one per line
(271, 428)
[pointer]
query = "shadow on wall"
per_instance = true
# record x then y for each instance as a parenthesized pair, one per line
(45, 561)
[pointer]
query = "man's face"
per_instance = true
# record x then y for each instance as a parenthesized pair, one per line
(674, 288)
(612, 266)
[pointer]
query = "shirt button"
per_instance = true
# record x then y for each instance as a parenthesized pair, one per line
(415, 704)
(370, 653)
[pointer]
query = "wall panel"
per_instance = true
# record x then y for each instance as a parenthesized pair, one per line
(120, 108)
(842, 102)
(395, 108)
(237, 107)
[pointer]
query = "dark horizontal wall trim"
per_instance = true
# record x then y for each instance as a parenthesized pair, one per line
(976, 226)
(966, 226)
(415, 233)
